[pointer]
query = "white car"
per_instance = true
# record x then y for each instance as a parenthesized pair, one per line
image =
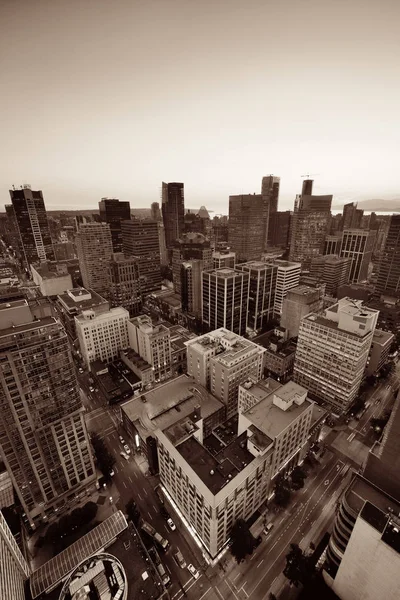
(171, 524)
(193, 571)
(80, 370)
(91, 389)
(121, 439)
(112, 473)
(127, 449)
(124, 455)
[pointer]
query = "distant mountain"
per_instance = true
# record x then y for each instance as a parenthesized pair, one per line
(377, 205)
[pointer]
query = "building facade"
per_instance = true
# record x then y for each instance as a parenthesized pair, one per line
(309, 228)
(94, 249)
(270, 195)
(332, 270)
(141, 239)
(278, 229)
(190, 246)
(388, 283)
(287, 277)
(125, 283)
(380, 350)
(299, 302)
(262, 286)
(32, 224)
(113, 211)
(173, 211)
(358, 244)
(225, 295)
(43, 439)
(153, 344)
(102, 335)
(223, 258)
(332, 352)
(14, 570)
(246, 230)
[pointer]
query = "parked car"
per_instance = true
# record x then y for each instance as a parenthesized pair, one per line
(91, 388)
(171, 524)
(164, 512)
(112, 473)
(80, 370)
(193, 571)
(124, 455)
(127, 449)
(268, 528)
(121, 439)
(180, 561)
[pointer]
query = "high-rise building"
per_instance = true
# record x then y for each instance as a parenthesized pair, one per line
(388, 283)
(14, 570)
(358, 245)
(309, 228)
(173, 211)
(220, 361)
(246, 227)
(153, 344)
(332, 244)
(33, 226)
(352, 216)
(155, 212)
(125, 283)
(113, 211)
(307, 187)
(332, 352)
(299, 302)
(288, 277)
(190, 278)
(163, 248)
(102, 335)
(262, 286)
(224, 258)
(43, 439)
(270, 194)
(94, 250)
(225, 296)
(190, 246)
(278, 229)
(332, 270)
(141, 239)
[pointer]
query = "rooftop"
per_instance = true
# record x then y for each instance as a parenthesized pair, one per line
(303, 290)
(361, 490)
(226, 272)
(30, 326)
(78, 299)
(4, 305)
(230, 346)
(382, 337)
(116, 312)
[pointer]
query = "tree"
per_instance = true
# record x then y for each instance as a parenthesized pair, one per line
(370, 380)
(133, 512)
(281, 491)
(89, 511)
(299, 568)
(105, 460)
(298, 476)
(242, 542)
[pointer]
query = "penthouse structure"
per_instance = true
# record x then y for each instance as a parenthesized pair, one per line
(153, 344)
(262, 288)
(220, 361)
(332, 352)
(225, 294)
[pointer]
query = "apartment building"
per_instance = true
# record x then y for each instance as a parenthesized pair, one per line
(102, 335)
(262, 287)
(358, 244)
(225, 294)
(94, 250)
(299, 302)
(332, 352)
(152, 343)
(14, 570)
(220, 361)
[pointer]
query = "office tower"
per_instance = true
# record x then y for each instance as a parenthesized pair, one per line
(246, 227)
(113, 211)
(94, 250)
(190, 246)
(102, 335)
(125, 283)
(332, 352)
(190, 278)
(33, 227)
(352, 216)
(299, 302)
(309, 228)
(14, 570)
(307, 187)
(155, 212)
(43, 440)
(278, 229)
(141, 239)
(332, 270)
(388, 283)
(262, 286)
(358, 245)
(223, 258)
(287, 277)
(332, 244)
(220, 361)
(225, 294)
(270, 195)
(173, 211)
(382, 230)
(153, 344)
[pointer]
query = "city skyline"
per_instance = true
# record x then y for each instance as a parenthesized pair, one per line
(258, 89)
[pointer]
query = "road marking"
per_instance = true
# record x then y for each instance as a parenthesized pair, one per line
(231, 588)
(238, 575)
(124, 484)
(140, 496)
(219, 593)
(129, 477)
(155, 509)
(260, 563)
(205, 593)
(168, 569)
(145, 491)
(243, 590)
(149, 515)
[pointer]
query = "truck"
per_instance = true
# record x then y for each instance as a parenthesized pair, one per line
(162, 542)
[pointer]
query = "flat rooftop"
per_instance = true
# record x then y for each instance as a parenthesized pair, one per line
(225, 272)
(30, 326)
(303, 290)
(216, 471)
(74, 304)
(361, 490)
(321, 320)
(9, 304)
(381, 337)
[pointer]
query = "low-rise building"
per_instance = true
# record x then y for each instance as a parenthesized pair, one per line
(299, 302)
(138, 366)
(379, 352)
(179, 335)
(152, 343)
(51, 277)
(73, 302)
(279, 358)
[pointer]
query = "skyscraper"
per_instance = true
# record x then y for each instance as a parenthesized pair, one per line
(358, 245)
(190, 246)
(299, 302)
(43, 439)
(14, 570)
(332, 352)
(262, 286)
(352, 216)
(246, 226)
(173, 211)
(270, 194)
(155, 212)
(332, 270)
(141, 239)
(94, 249)
(310, 225)
(287, 277)
(31, 219)
(278, 229)
(225, 295)
(113, 211)
(125, 283)
(389, 269)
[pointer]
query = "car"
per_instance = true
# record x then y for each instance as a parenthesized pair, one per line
(112, 473)
(171, 524)
(268, 528)
(124, 455)
(180, 561)
(121, 439)
(80, 370)
(193, 571)
(111, 499)
(91, 389)
(127, 449)
(164, 512)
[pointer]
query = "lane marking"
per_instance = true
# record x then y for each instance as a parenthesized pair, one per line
(259, 564)
(140, 496)
(205, 593)
(124, 484)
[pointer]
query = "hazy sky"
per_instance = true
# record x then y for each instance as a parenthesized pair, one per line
(111, 97)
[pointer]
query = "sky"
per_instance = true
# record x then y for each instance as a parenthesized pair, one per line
(108, 98)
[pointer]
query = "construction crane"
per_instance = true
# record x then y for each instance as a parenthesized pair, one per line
(309, 175)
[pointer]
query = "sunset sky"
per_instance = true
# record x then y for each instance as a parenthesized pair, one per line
(112, 97)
